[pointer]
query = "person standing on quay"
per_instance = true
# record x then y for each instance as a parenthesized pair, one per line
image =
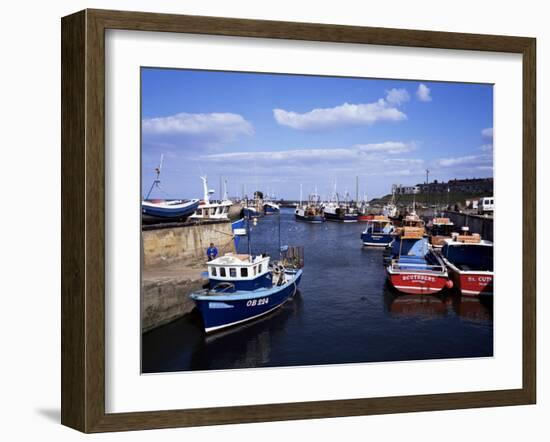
(211, 252)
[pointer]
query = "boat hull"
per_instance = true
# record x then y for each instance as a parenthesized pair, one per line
(473, 283)
(227, 310)
(416, 283)
(269, 210)
(377, 239)
(364, 218)
(251, 213)
(345, 218)
(315, 219)
(158, 212)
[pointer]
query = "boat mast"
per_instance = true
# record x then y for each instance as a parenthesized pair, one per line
(205, 189)
(357, 190)
(225, 196)
(300, 194)
(248, 234)
(280, 247)
(156, 181)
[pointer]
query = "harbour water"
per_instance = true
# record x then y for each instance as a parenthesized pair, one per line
(344, 312)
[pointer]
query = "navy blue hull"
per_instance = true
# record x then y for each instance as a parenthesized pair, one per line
(251, 213)
(376, 239)
(342, 218)
(270, 210)
(152, 213)
(221, 311)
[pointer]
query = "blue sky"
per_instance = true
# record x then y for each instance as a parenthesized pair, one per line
(273, 132)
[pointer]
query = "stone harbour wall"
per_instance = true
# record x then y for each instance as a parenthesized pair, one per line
(186, 243)
(174, 259)
(166, 299)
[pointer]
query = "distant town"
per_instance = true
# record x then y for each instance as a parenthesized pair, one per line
(469, 185)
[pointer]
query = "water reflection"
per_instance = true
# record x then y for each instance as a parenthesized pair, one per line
(243, 346)
(415, 305)
(477, 309)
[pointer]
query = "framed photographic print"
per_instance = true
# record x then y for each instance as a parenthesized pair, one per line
(269, 220)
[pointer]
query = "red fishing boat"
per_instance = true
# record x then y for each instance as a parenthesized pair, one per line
(470, 262)
(414, 268)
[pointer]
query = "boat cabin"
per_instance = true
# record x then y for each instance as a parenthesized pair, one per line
(213, 210)
(412, 220)
(473, 254)
(441, 227)
(411, 252)
(236, 272)
(379, 224)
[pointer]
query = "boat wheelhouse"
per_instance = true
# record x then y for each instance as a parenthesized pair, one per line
(414, 267)
(378, 232)
(440, 229)
(243, 287)
(411, 220)
(470, 262)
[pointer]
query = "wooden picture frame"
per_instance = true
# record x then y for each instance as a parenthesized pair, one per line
(83, 219)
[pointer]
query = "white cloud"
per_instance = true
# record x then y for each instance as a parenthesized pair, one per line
(423, 93)
(344, 115)
(197, 130)
(487, 133)
(397, 96)
(457, 161)
(354, 153)
(482, 161)
(389, 147)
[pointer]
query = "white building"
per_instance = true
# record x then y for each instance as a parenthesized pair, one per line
(399, 189)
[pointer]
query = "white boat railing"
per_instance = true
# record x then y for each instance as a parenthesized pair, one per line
(395, 265)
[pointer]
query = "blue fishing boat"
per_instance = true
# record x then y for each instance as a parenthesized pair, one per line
(378, 232)
(243, 287)
(271, 208)
(165, 210)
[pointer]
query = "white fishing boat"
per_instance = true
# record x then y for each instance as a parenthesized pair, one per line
(212, 210)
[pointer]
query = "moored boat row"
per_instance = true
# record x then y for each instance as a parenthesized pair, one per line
(420, 262)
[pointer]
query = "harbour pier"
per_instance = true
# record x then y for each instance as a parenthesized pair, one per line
(477, 223)
(173, 259)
